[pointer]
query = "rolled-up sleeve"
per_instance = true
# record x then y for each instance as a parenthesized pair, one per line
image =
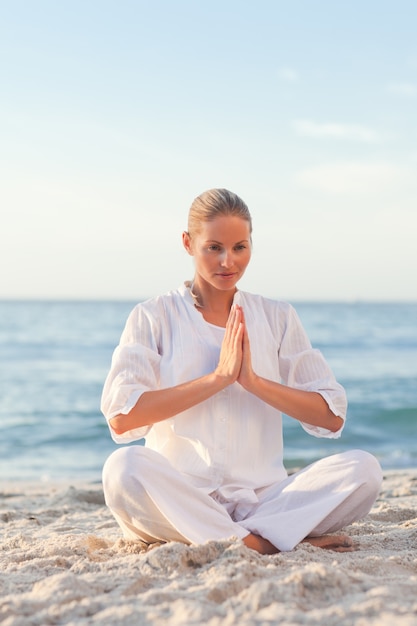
(134, 370)
(303, 367)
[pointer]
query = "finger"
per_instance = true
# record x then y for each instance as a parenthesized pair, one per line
(234, 320)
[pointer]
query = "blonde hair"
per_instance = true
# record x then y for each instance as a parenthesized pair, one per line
(216, 203)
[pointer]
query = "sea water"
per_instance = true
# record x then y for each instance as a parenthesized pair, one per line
(54, 357)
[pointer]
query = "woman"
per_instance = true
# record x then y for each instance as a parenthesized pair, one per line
(204, 373)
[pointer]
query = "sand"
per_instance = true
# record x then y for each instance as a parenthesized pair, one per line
(62, 561)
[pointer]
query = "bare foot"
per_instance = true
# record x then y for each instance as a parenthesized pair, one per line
(261, 545)
(337, 543)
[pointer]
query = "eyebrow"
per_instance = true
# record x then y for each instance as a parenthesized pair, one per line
(221, 243)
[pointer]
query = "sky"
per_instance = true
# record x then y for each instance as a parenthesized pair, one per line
(115, 115)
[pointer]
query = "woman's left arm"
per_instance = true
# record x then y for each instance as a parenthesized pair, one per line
(306, 406)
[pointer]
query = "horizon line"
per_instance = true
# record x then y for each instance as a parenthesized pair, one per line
(86, 299)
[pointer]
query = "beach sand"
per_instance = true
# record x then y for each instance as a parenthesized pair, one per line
(63, 561)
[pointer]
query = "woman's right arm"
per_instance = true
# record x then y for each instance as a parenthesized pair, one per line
(160, 404)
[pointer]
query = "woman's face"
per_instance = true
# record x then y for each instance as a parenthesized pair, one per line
(221, 250)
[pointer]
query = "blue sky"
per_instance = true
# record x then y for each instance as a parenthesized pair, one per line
(114, 115)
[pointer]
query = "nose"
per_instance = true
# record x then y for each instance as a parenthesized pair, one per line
(226, 259)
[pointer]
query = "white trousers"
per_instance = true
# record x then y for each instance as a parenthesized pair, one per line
(152, 501)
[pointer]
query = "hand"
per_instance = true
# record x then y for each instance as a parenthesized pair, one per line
(231, 353)
(246, 376)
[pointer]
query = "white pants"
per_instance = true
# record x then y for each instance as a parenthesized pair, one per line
(152, 501)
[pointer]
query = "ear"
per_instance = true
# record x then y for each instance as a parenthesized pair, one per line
(186, 242)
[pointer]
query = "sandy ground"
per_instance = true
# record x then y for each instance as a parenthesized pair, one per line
(62, 561)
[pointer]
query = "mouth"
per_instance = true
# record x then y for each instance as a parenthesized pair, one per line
(227, 275)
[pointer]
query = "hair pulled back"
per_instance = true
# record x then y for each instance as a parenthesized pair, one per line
(216, 203)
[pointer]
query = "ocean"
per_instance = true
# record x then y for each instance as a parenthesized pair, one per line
(54, 357)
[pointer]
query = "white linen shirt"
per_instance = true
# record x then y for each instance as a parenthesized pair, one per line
(230, 444)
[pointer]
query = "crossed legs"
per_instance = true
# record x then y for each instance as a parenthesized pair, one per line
(154, 502)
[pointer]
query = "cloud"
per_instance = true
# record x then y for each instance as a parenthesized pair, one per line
(351, 132)
(353, 177)
(288, 74)
(409, 90)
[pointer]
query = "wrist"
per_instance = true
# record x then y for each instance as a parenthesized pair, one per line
(250, 383)
(219, 381)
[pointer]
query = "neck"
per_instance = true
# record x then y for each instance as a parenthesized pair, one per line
(211, 300)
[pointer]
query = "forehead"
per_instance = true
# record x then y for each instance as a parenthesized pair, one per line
(225, 228)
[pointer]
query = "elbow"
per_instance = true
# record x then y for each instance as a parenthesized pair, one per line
(122, 423)
(335, 423)
(118, 425)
